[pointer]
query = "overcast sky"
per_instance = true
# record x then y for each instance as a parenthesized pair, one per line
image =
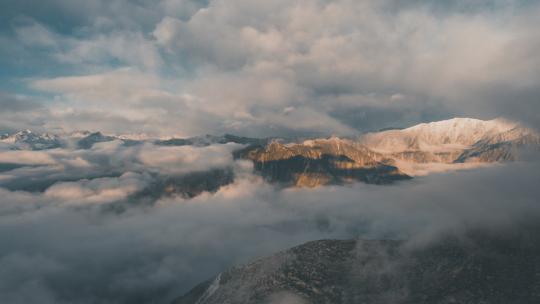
(187, 67)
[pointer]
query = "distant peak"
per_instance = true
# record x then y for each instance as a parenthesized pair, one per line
(464, 124)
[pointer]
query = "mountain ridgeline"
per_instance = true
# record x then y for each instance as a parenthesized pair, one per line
(377, 158)
(393, 155)
(458, 140)
(320, 162)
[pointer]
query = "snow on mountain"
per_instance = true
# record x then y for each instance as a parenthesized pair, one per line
(458, 143)
(446, 135)
(27, 140)
(505, 146)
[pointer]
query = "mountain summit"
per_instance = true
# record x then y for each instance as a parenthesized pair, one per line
(451, 134)
(453, 141)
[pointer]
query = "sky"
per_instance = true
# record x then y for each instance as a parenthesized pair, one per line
(272, 68)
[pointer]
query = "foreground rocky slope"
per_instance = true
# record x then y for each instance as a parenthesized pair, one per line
(477, 269)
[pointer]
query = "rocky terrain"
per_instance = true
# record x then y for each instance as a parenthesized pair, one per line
(477, 268)
(320, 162)
(392, 155)
(27, 140)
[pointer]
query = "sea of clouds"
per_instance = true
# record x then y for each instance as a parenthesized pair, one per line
(74, 227)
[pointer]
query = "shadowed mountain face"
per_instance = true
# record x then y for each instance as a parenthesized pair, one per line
(320, 162)
(189, 185)
(478, 268)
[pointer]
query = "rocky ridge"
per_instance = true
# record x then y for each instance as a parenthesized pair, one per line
(478, 268)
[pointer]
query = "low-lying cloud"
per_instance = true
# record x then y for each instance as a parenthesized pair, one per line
(67, 243)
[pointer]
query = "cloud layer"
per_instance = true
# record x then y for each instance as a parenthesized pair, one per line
(76, 226)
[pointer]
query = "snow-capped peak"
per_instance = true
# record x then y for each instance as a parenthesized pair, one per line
(463, 126)
(455, 133)
(26, 139)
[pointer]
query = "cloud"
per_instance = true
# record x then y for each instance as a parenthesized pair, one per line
(104, 87)
(106, 168)
(98, 190)
(35, 34)
(131, 48)
(234, 66)
(86, 236)
(184, 159)
(26, 157)
(20, 112)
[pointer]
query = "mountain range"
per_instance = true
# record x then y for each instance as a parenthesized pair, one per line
(379, 158)
(392, 155)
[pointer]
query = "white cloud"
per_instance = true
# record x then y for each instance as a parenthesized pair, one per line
(26, 157)
(35, 34)
(241, 63)
(97, 191)
(129, 47)
(184, 159)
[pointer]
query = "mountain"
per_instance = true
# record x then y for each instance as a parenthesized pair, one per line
(189, 185)
(206, 140)
(504, 146)
(479, 268)
(457, 140)
(387, 156)
(441, 135)
(320, 162)
(27, 140)
(93, 138)
(378, 158)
